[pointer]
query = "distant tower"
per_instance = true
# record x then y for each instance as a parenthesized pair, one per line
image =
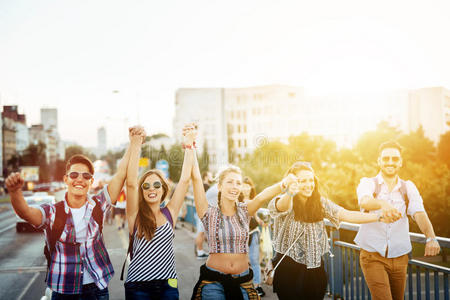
(101, 141)
(49, 118)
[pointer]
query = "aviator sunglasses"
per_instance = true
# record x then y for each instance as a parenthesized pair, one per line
(146, 185)
(393, 158)
(74, 175)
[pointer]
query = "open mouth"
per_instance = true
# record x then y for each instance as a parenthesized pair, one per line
(79, 186)
(152, 195)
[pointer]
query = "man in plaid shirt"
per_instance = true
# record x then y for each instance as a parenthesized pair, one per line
(80, 267)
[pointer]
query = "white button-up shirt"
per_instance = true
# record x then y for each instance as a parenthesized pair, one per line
(377, 236)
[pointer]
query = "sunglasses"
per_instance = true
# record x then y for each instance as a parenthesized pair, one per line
(74, 175)
(146, 185)
(393, 158)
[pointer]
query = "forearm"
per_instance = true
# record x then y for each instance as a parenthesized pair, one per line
(357, 217)
(132, 179)
(283, 203)
(201, 204)
(369, 203)
(180, 192)
(424, 224)
(23, 210)
(116, 183)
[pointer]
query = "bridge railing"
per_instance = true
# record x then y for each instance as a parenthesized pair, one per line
(345, 277)
(346, 280)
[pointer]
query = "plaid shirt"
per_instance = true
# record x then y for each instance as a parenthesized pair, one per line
(71, 258)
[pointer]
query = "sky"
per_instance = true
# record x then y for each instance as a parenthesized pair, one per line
(118, 63)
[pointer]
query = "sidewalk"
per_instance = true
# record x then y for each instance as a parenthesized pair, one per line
(187, 264)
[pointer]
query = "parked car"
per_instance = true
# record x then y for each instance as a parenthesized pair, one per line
(36, 199)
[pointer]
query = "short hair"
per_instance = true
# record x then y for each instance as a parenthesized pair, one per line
(80, 159)
(390, 144)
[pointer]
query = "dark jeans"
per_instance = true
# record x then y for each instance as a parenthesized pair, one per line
(90, 292)
(153, 290)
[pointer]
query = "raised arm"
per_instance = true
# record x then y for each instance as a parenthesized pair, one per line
(268, 193)
(116, 183)
(136, 138)
(179, 194)
(201, 204)
(32, 215)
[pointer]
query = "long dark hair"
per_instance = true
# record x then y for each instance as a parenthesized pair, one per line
(312, 211)
(145, 219)
(249, 181)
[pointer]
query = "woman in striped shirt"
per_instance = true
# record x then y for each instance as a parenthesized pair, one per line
(226, 274)
(152, 273)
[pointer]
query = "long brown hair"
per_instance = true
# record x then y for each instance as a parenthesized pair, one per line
(249, 181)
(312, 211)
(145, 219)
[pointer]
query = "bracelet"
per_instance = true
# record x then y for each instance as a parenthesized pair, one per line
(431, 239)
(184, 146)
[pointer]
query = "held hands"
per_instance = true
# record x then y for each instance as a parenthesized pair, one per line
(137, 134)
(389, 214)
(190, 133)
(14, 182)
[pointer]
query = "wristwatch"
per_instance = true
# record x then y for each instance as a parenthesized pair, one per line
(431, 239)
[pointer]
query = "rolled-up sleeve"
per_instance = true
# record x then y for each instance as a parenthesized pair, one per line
(273, 211)
(104, 199)
(415, 200)
(47, 212)
(366, 187)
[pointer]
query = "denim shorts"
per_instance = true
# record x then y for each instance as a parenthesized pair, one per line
(215, 291)
(154, 289)
(89, 292)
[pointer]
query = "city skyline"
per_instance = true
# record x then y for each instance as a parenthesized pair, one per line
(61, 55)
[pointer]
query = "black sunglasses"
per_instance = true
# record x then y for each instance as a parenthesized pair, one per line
(387, 158)
(146, 185)
(74, 175)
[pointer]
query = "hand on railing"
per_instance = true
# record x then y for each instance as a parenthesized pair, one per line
(432, 247)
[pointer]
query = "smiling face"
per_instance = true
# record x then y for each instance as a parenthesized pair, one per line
(390, 162)
(305, 183)
(78, 186)
(154, 191)
(231, 185)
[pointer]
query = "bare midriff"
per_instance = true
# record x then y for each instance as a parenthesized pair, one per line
(228, 263)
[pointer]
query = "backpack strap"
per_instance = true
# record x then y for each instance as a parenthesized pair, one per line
(404, 193)
(165, 210)
(55, 232)
(97, 214)
(377, 189)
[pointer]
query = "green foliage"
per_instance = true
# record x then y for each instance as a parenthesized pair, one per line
(340, 171)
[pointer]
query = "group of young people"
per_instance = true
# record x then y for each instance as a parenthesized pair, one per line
(80, 268)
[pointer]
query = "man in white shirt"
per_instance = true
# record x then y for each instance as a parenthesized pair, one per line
(385, 247)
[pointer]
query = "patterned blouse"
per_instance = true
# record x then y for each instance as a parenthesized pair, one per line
(227, 234)
(313, 241)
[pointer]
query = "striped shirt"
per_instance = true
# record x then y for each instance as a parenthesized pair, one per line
(71, 257)
(227, 234)
(154, 259)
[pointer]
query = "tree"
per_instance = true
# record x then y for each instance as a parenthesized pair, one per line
(76, 149)
(35, 155)
(417, 147)
(443, 148)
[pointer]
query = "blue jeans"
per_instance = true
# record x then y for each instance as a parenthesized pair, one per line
(154, 289)
(253, 254)
(90, 292)
(215, 291)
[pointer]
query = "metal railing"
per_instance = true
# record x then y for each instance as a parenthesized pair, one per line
(346, 280)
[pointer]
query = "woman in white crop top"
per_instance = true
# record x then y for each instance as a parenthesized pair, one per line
(226, 274)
